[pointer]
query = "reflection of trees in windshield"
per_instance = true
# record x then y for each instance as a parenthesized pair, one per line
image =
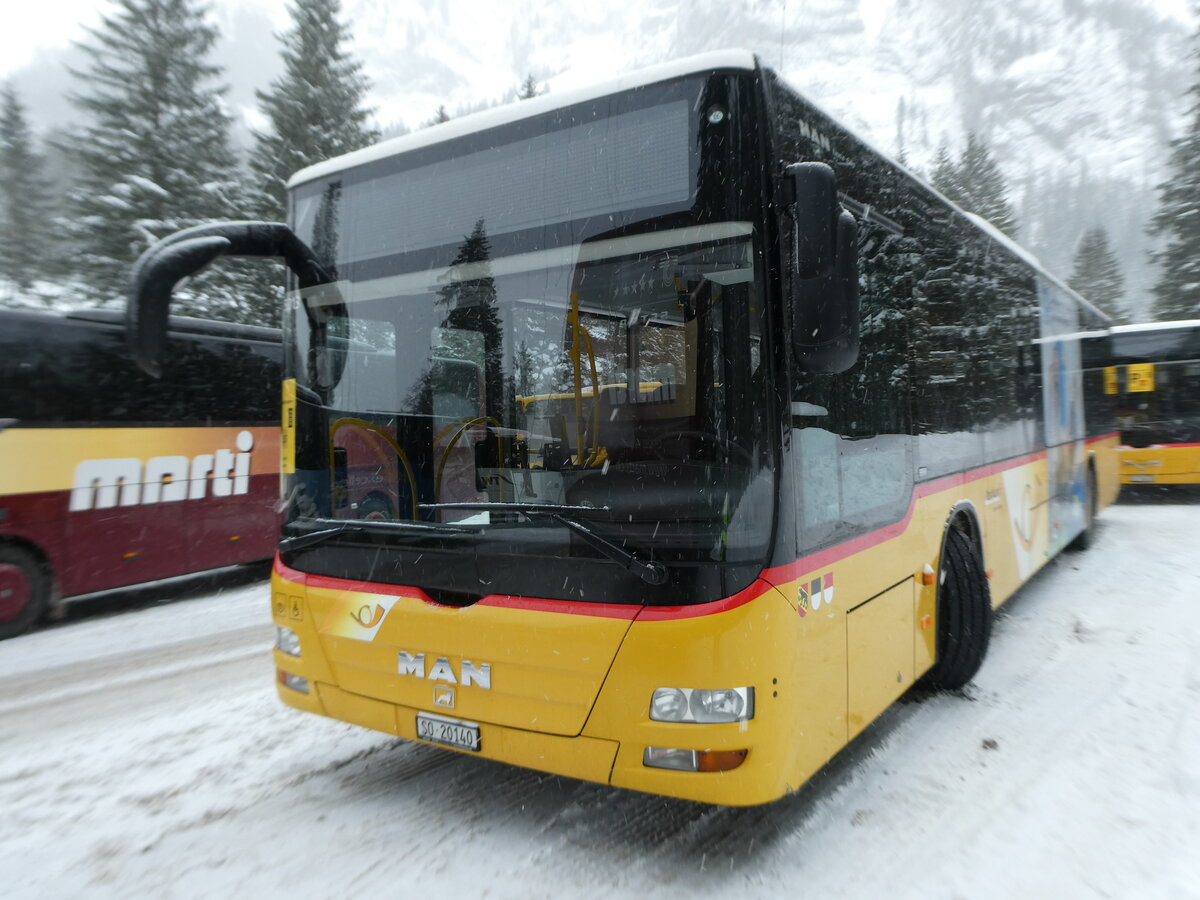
(616, 375)
(325, 227)
(468, 338)
(470, 299)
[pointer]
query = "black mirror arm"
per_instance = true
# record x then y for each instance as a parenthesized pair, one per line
(247, 238)
(186, 252)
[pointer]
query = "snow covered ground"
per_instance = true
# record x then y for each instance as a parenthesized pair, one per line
(145, 754)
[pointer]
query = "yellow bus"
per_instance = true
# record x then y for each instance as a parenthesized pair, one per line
(751, 431)
(1156, 379)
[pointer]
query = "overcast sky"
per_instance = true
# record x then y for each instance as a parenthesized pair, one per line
(33, 27)
(36, 47)
(39, 25)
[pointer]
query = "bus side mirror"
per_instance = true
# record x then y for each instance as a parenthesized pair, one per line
(815, 208)
(823, 284)
(185, 253)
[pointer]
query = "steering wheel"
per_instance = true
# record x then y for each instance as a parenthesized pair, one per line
(728, 447)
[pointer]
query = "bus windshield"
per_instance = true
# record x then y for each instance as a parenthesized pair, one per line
(1159, 386)
(618, 377)
(621, 383)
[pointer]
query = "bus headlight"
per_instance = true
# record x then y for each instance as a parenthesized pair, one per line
(703, 706)
(287, 641)
(669, 705)
(719, 706)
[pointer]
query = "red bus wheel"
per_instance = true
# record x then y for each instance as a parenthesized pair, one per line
(24, 591)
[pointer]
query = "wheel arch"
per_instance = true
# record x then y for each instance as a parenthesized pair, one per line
(964, 516)
(963, 601)
(54, 601)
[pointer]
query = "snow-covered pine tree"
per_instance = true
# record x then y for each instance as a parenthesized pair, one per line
(439, 117)
(154, 154)
(945, 176)
(1097, 275)
(528, 89)
(1177, 222)
(26, 204)
(984, 186)
(314, 111)
(315, 108)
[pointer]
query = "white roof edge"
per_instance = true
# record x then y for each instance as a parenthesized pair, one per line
(1156, 326)
(1001, 238)
(523, 109)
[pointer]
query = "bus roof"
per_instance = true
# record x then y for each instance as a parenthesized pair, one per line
(1180, 324)
(523, 109)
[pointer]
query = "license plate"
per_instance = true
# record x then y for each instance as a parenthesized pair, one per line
(1143, 478)
(448, 732)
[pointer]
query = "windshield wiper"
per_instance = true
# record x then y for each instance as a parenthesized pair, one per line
(648, 570)
(368, 526)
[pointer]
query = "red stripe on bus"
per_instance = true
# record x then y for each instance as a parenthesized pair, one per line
(569, 607)
(668, 613)
(287, 573)
(792, 571)
(368, 587)
(504, 601)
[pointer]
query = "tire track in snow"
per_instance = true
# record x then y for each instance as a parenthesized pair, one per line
(62, 688)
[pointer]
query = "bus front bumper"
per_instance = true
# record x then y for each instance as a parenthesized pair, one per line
(586, 758)
(610, 762)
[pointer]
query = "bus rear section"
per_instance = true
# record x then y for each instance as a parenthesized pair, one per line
(112, 478)
(1157, 383)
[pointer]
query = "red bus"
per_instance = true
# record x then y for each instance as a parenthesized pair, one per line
(111, 478)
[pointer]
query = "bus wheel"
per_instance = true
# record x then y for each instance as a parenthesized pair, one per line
(1083, 540)
(24, 590)
(964, 614)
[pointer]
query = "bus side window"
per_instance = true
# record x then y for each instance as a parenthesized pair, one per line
(820, 484)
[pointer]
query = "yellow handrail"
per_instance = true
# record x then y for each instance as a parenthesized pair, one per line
(578, 332)
(361, 423)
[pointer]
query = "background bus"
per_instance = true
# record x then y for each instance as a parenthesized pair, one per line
(719, 530)
(1157, 387)
(110, 477)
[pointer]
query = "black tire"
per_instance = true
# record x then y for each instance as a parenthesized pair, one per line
(1083, 540)
(964, 615)
(21, 573)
